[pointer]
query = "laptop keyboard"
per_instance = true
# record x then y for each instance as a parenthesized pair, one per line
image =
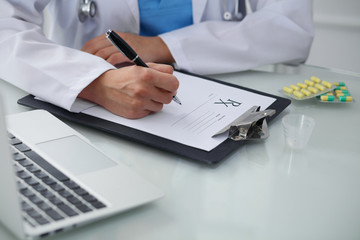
(47, 195)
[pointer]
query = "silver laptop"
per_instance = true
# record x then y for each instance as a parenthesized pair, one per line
(53, 179)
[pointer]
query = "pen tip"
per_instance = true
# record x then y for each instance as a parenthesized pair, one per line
(177, 100)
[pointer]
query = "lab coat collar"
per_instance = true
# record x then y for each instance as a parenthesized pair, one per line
(198, 10)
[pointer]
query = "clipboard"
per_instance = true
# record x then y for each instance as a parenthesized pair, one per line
(213, 157)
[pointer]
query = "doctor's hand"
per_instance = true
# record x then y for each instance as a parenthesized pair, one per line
(150, 49)
(133, 91)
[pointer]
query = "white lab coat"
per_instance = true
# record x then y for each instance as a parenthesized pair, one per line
(53, 69)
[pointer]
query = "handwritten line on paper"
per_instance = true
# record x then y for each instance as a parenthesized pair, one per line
(198, 120)
(211, 123)
(189, 115)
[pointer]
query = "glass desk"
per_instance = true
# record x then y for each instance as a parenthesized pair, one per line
(264, 190)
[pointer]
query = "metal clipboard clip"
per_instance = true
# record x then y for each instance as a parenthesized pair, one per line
(250, 125)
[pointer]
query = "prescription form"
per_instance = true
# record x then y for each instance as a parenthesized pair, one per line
(207, 107)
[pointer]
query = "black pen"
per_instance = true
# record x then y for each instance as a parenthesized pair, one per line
(125, 48)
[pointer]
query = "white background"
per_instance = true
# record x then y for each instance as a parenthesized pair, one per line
(337, 35)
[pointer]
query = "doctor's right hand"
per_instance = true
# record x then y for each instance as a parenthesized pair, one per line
(133, 91)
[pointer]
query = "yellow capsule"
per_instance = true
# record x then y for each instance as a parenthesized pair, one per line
(315, 79)
(329, 93)
(309, 83)
(313, 90)
(296, 88)
(288, 90)
(320, 87)
(326, 84)
(306, 92)
(327, 98)
(302, 85)
(298, 94)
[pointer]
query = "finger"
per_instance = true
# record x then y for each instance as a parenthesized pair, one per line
(154, 106)
(118, 58)
(145, 95)
(129, 113)
(129, 107)
(107, 52)
(155, 84)
(164, 98)
(95, 44)
(162, 67)
(137, 107)
(89, 46)
(137, 115)
(149, 91)
(167, 82)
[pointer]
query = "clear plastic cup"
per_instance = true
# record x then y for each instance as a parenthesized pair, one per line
(297, 129)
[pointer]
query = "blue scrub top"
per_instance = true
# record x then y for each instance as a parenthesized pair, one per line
(160, 16)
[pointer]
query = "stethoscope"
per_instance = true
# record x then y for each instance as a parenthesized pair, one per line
(87, 9)
(239, 11)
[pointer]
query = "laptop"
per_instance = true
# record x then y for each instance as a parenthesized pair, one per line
(53, 179)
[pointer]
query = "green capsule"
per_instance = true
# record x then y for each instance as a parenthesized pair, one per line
(345, 98)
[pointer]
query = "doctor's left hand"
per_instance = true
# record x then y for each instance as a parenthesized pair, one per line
(150, 49)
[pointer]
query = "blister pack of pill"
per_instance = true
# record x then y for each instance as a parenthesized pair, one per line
(340, 94)
(308, 89)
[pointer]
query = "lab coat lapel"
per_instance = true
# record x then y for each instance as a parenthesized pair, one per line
(134, 8)
(198, 10)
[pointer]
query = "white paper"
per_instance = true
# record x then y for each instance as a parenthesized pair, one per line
(206, 108)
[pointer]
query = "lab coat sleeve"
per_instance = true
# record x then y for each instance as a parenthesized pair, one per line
(30, 61)
(277, 31)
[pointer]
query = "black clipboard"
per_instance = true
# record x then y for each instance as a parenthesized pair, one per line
(213, 157)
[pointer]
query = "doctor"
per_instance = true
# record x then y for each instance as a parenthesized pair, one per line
(213, 36)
